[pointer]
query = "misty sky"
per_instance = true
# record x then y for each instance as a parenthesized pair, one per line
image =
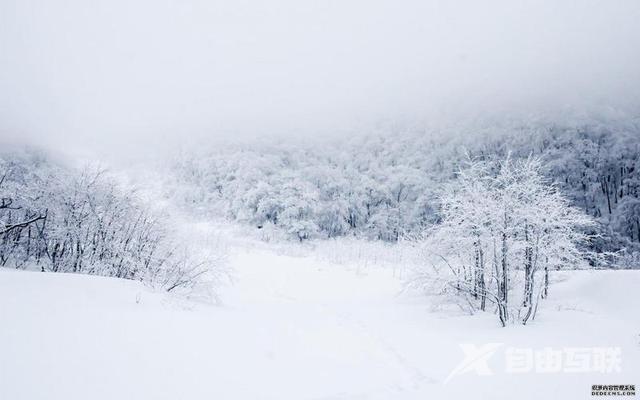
(110, 73)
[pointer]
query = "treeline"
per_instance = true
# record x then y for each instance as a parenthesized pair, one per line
(62, 219)
(386, 187)
(375, 188)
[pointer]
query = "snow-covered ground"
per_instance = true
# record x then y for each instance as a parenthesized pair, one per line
(298, 328)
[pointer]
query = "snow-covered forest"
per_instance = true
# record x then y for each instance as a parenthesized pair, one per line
(390, 187)
(296, 200)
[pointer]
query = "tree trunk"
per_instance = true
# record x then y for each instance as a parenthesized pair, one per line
(528, 284)
(605, 185)
(476, 270)
(479, 286)
(505, 278)
(545, 291)
(481, 283)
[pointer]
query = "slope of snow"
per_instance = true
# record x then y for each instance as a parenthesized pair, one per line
(293, 328)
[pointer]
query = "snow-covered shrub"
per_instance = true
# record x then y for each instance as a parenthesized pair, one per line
(83, 222)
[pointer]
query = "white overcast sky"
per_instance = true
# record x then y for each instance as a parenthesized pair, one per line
(114, 73)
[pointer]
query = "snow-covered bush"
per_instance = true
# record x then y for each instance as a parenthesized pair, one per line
(81, 221)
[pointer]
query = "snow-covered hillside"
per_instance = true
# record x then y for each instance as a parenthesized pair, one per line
(297, 328)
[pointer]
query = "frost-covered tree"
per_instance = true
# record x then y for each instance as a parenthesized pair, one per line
(501, 220)
(9, 207)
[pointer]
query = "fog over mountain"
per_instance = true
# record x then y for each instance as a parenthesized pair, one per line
(140, 76)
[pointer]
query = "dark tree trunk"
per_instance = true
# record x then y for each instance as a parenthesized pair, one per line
(545, 290)
(605, 186)
(504, 289)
